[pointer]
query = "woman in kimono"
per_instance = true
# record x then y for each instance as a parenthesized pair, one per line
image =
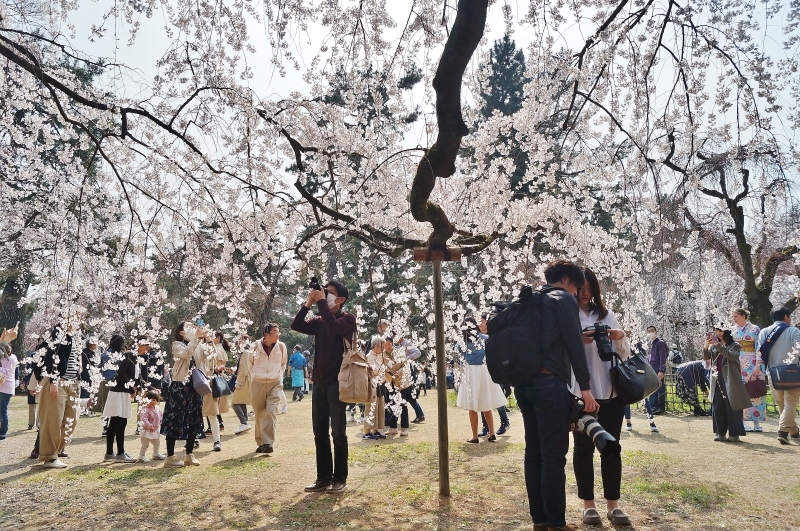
(745, 333)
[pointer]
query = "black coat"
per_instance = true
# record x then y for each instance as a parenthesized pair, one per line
(125, 381)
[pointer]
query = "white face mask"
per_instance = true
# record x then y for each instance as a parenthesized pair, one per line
(651, 335)
(331, 300)
(189, 333)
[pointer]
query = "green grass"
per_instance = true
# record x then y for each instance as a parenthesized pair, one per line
(667, 492)
(644, 460)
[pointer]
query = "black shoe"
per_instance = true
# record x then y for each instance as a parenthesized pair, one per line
(208, 431)
(197, 444)
(484, 433)
(783, 437)
(493, 438)
(700, 412)
(268, 449)
(221, 427)
(504, 428)
(336, 486)
(317, 486)
(294, 399)
(418, 420)
(30, 426)
(260, 449)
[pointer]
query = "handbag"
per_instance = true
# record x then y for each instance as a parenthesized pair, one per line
(634, 379)
(355, 386)
(219, 386)
(756, 388)
(232, 383)
(200, 381)
(785, 377)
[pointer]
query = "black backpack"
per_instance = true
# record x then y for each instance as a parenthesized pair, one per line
(514, 348)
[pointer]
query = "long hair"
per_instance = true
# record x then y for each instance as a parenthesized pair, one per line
(470, 330)
(597, 300)
(176, 335)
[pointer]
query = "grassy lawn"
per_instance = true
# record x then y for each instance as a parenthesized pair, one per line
(676, 479)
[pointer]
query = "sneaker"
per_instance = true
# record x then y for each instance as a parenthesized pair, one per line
(196, 444)
(109, 457)
(379, 435)
(653, 428)
(208, 431)
(758, 429)
(261, 449)
(124, 458)
(404, 432)
(360, 420)
(189, 460)
(484, 433)
(783, 437)
(733, 438)
(30, 426)
(159, 457)
(392, 431)
(717, 438)
(221, 427)
(351, 417)
(747, 428)
(370, 436)
(241, 429)
(143, 459)
(629, 427)
(284, 410)
(136, 432)
(418, 420)
(217, 446)
(55, 463)
(173, 460)
(504, 428)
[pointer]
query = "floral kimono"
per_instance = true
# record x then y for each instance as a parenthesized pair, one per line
(746, 337)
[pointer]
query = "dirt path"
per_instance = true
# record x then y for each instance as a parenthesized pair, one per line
(676, 479)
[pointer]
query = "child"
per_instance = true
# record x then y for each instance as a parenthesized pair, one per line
(150, 422)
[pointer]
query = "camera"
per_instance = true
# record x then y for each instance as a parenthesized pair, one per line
(314, 284)
(604, 347)
(605, 443)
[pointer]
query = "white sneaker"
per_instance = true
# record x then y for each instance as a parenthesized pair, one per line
(159, 457)
(351, 417)
(629, 427)
(241, 429)
(284, 410)
(392, 431)
(360, 420)
(55, 463)
(143, 459)
(653, 428)
(404, 432)
(173, 460)
(189, 460)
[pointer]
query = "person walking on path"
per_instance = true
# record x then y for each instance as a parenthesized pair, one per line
(328, 415)
(8, 370)
(267, 366)
(240, 397)
(779, 344)
(728, 395)
(118, 402)
(297, 362)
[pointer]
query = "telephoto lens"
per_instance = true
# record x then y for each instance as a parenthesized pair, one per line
(605, 443)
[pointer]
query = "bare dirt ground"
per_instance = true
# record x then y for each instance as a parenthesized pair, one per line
(678, 479)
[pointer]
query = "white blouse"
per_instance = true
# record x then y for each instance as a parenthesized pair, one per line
(598, 369)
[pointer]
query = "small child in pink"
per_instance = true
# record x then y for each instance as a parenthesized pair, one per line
(150, 427)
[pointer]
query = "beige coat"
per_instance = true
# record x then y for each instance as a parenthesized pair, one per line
(732, 374)
(241, 395)
(215, 356)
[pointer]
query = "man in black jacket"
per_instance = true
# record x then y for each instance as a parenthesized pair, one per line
(59, 398)
(328, 416)
(546, 403)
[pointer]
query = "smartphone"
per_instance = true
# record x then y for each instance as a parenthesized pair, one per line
(200, 322)
(712, 337)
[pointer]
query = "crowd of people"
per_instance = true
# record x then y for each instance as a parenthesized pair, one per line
(67, 374)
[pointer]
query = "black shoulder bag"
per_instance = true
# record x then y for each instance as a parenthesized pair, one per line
(633, 379)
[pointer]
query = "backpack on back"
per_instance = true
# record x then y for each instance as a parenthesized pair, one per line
(514, 349)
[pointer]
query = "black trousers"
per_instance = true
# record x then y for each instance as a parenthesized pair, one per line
(329, 421)
(116, 430)
(610, 418)
(392, 399)
(726, 420)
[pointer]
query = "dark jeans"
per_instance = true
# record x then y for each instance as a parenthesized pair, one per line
(610, 418)
(658, 400)
(241, 412)
(725, 420)
(545, 405)
(329, 421)
(392, 399)
(410, 396)
(502, 412)
(5, 398)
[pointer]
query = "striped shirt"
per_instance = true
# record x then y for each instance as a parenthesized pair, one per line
(73, 363)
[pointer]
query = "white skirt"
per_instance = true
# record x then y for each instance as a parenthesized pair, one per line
(477, 391)
(117, 405)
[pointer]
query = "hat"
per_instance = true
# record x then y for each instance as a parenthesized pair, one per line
(673, 346)
(721, 327)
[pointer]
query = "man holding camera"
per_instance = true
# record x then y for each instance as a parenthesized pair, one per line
(329, 329)
(546, 402)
